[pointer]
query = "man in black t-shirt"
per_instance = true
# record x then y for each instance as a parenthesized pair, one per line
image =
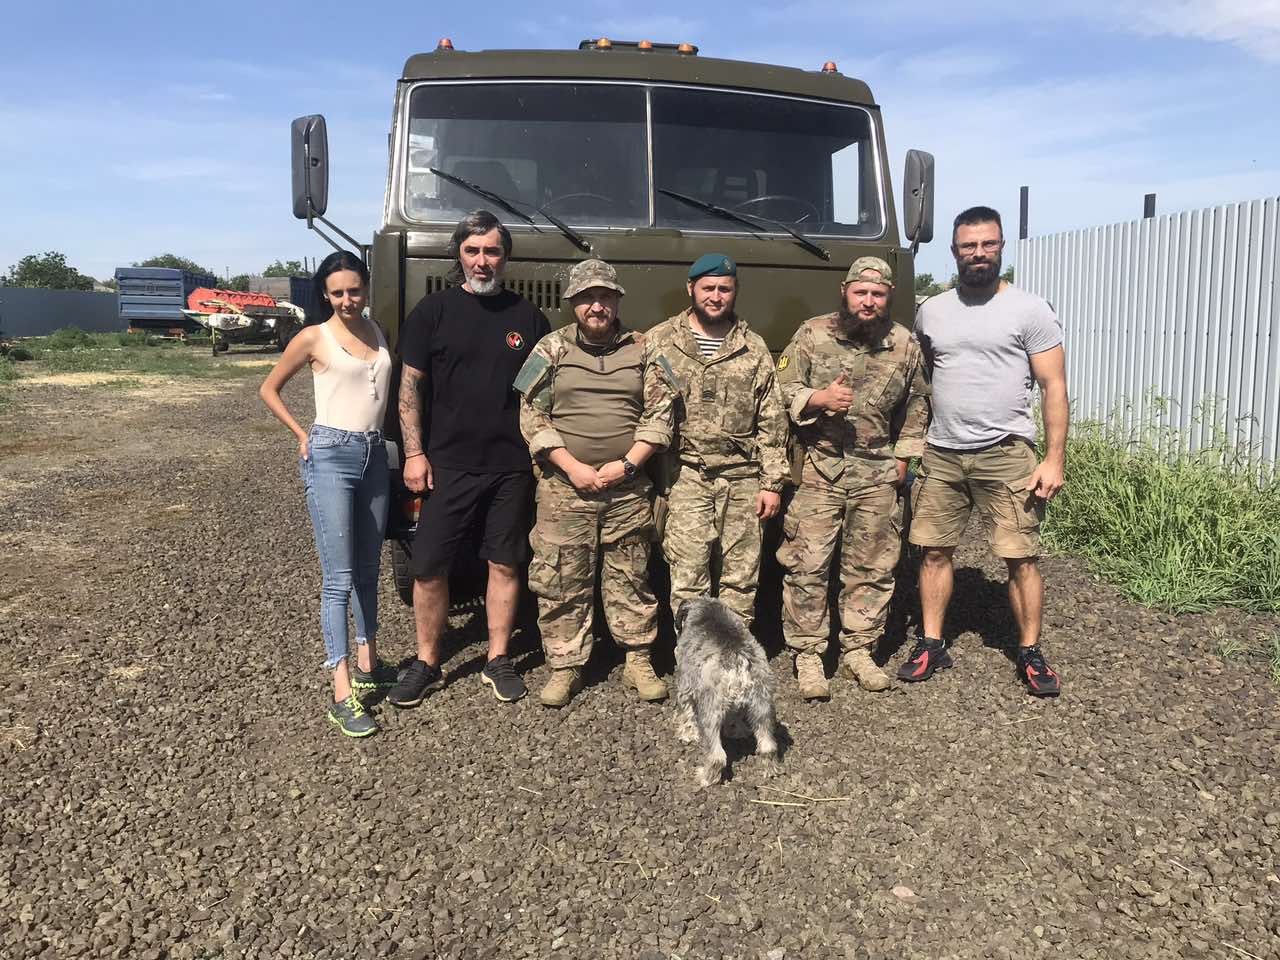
(462, 348)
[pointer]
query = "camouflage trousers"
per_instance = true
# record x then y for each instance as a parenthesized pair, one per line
(574, 534)
(869, 525)
(704, 510)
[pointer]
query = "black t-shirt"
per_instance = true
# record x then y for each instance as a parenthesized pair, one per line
(470, 349)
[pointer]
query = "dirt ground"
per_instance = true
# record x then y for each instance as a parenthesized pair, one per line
(172, 788)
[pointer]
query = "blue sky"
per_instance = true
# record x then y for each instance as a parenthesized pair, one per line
(132, 129)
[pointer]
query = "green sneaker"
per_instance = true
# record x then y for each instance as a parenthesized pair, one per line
(383, 676)
(348, 716)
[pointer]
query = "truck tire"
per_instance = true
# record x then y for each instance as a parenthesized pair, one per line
(285, 336)
(400, 570)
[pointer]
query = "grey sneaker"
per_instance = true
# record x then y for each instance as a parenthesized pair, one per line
(349, 716)
(382, 677)
(416, 680)
(502, 678)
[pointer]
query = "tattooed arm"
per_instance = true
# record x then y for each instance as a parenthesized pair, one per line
(417, 468)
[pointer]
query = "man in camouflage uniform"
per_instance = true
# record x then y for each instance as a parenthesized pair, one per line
(729, 457)
(855, 388)
(596, 404)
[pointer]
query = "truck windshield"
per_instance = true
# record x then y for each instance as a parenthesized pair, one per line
(581, 151)
(801, 162)
(578, 150)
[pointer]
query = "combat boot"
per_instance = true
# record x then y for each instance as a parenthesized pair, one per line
(812, 677)
(858, 665)
(559, 690)
(638, 674)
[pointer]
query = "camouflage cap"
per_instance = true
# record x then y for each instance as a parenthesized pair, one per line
(591, 273)
(870, 265)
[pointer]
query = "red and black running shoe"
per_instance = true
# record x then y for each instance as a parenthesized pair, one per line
(1035, 672)
(927, 656)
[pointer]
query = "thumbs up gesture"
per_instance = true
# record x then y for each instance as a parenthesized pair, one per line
(838, 395)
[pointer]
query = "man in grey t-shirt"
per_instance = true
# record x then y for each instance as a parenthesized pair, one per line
(986, 343)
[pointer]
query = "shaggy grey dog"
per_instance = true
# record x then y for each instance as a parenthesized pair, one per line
(722, 680)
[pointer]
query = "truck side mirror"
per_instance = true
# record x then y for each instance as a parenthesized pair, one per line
(310, 167)
(917, 188)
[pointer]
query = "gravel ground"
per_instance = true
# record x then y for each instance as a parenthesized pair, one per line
(172, 788)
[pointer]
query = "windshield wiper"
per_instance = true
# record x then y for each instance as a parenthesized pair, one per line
(489, 195)
(574, 237)
(750, 219)
(509, 206)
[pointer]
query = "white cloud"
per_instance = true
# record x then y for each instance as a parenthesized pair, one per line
(1251, 24)
(203, 94)
(561, 30)
(174, 168)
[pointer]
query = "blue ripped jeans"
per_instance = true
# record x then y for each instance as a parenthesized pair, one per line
(348, 489)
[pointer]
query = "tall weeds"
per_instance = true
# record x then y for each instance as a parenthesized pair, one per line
(1182, 531)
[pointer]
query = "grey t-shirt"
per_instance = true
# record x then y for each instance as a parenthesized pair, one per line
(979, 356)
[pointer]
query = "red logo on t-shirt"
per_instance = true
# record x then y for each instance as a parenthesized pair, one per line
(514, 340)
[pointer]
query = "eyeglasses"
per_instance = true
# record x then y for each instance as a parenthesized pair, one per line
(988, 246)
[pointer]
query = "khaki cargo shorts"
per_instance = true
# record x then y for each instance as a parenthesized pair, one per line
(995, 480)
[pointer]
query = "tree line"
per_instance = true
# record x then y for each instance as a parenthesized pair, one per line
(927, 286)
(50, 271)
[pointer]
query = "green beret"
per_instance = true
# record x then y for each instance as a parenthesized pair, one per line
(713, 265)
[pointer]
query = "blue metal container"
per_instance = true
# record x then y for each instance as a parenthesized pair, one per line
(302, 293)
(154, 297)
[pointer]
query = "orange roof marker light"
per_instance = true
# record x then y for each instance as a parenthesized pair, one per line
(444, 44)
(688, 49)
(829, 67)
(604, 43)
(644, 45)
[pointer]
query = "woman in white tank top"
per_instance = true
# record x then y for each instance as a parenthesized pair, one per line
(343, 462)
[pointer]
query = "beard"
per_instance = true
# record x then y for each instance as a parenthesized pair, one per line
(485, 288)
(727, 317)
(598, 331)
(860, 331)
(979, 274)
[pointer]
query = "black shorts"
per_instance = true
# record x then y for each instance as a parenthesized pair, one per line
(488, 512)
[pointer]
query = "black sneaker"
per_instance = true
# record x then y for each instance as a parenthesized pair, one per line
(349, 716)
(501, 676)
(382, 676)
(418, 679)
(1035, 672)
(927, 656)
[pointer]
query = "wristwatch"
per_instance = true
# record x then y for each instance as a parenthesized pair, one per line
(628, 469)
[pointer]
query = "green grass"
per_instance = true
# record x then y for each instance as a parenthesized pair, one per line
(69, 338)
(1181, 531)
(1265, 651)
(8, 373)
(71, 350)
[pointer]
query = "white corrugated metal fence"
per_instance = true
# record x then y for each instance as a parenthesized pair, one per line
(1183, 308)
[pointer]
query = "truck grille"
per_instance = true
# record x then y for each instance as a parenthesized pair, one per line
(543, 294)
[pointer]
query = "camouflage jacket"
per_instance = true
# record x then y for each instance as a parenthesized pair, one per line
(536, 383)
(890, 409)
(729, 414)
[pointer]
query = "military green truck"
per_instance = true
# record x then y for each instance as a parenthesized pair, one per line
(643, 154)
